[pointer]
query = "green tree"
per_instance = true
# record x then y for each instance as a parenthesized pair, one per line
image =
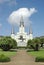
(7, 43)
(30, 44)
(41, 41)
(36, 44)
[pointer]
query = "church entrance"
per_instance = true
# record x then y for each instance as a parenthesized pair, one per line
(22, 42)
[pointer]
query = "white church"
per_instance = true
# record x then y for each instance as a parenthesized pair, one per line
(22, 37)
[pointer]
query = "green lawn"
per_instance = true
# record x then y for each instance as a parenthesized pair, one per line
(8, 53)
(39, 53)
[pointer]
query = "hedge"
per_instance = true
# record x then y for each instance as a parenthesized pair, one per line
(39, 59)
(4, 58)
(5, 47)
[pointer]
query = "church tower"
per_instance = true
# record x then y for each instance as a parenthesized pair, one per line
(30, 32)
(12, 32)
(21, 29)
(22, 37)
(21, 22)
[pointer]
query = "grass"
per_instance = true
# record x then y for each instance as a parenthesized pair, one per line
(39, 53)
(8, 53)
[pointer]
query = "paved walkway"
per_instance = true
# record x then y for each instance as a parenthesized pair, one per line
(22, 58)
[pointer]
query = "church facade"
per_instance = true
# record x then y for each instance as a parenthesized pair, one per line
(22, 37)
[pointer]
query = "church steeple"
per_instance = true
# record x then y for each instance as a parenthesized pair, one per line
(21, 28)
(30, 32)
(21, 22)
(12, 31)
(30, 29)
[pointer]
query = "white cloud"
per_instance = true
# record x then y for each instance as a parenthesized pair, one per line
(26, 13)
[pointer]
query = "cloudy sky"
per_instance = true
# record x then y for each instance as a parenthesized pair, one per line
(31, 10)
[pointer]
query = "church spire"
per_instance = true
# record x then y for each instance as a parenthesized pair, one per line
(30, 29)
(12, 31)
(21, 22)
(30, 32)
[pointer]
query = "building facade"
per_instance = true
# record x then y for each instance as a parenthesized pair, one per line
(22, 37)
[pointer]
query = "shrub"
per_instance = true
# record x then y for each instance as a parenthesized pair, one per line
(36, 47)
(29, 43)
(30, 50)
(20, 47)
(32, 47)
(5, 47)
(14, 44)
(7, 42)
(39, 59)
(34, 44)
(4, 58)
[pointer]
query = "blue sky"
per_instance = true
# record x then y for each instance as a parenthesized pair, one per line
(8, 6)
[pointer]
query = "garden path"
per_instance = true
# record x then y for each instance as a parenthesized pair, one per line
(22, 58)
